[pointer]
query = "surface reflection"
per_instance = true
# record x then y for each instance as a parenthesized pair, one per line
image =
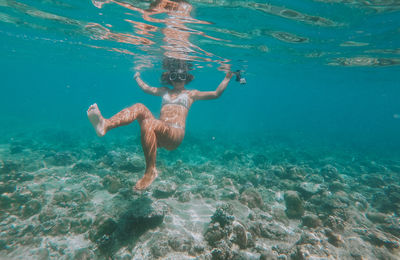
(171, 19)
(149, 30)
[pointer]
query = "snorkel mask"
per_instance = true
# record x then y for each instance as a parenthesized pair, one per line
(179, 75)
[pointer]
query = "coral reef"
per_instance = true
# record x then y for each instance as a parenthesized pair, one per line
(68, 197)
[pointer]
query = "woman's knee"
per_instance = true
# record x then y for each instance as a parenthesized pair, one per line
(142, 111)
(138, 107)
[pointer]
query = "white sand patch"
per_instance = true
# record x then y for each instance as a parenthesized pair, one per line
(102, 202)
(101, 197)
(72, 243)
(189, 218)
(279, 196)
(22, 253)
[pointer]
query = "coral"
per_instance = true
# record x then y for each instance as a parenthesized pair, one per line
(311, 221)
(251, 198)
(223, 215)
(164, 189)
(294, 204)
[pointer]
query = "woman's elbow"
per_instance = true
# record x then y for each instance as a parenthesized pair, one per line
(213, 95)
(148, 91)
(217, 94)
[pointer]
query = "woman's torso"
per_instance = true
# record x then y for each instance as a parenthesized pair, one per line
(175, 107)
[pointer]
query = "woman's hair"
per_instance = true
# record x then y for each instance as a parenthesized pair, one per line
(157, 2)
(173, 65)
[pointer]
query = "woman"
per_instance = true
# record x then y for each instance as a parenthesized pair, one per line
(169, 130)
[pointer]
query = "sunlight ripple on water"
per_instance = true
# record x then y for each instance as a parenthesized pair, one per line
(147, 31)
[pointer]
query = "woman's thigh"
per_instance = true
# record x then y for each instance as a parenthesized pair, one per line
(168, 137)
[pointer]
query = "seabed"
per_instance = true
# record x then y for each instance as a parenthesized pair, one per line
(68, 197)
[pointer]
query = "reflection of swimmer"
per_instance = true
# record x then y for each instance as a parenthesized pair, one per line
(173, 15)
(177, 44)
(167, 131)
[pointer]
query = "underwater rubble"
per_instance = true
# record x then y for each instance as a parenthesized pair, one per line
(63, 196)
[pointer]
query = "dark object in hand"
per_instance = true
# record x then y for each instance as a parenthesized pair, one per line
(239, 77)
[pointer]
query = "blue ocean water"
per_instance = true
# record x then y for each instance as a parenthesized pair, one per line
(322, 75)
(334, 78)
(323, 68)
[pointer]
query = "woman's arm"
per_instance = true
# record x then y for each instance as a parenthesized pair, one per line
(147, 89)
(206, 95)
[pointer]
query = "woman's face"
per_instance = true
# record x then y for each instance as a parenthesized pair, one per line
(178, 78)
(178, 85)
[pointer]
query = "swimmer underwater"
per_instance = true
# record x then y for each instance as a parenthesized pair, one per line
(167, 131)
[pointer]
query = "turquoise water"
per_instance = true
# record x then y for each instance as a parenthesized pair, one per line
(326, 68)
(323, 87)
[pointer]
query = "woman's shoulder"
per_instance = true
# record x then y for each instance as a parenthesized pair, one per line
(191, 92)
(164, 90)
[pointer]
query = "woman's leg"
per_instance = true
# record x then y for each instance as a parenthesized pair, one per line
(124, 117)
(149, 145)
(154, 134)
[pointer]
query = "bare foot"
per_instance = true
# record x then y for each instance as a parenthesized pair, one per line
(96, 119)
(146, 180)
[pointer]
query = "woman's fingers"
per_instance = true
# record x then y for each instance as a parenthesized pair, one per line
(137, 74)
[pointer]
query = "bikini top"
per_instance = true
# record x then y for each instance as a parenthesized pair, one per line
(182, 100)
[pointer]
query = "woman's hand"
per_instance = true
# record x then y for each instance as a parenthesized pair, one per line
(137, 74)
(229, 75)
